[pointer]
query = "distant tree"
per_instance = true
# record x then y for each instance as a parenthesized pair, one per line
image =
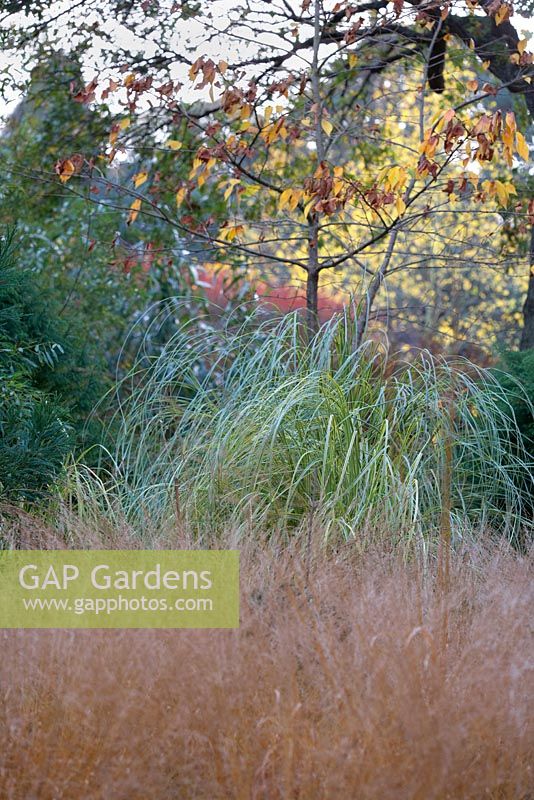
(100, 272)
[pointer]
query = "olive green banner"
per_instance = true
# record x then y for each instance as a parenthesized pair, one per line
(119, 588)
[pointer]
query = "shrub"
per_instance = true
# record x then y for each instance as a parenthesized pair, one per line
(517, 379)
(46, 389)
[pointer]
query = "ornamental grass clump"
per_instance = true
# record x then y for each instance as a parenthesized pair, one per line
(256, 423)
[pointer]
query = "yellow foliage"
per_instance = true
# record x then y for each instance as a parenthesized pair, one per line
(521, 146)
(327, 126)
(140, 178)
(134, 211)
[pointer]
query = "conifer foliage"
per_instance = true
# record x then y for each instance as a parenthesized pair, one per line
(41, 396)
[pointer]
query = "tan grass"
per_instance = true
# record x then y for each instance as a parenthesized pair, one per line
(350, 677)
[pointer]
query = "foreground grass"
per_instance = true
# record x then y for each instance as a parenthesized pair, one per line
(352, 676)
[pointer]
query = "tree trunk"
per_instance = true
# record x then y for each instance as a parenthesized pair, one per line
(312, 282)
(527, 336)
(312, 309)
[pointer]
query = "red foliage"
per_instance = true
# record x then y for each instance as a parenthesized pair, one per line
(283, 299)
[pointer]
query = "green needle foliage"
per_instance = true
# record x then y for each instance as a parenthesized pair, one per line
(47, 384)
(517, 378)
(255, 424)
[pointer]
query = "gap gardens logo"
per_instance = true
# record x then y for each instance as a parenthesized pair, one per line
(119, 589)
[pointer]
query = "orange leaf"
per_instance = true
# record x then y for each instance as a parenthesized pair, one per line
(66, 170)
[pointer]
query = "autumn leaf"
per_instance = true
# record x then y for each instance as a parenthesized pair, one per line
(113, 86)
(396, 179)
(284, 199)
(87, 94)
(502, 194)
(296, 196)
(308, 207)
(327, 126)
(134, 211)
(65, 170)
(290, 198)
(445, 119)
(234, 231)
(229, 232)
(501, 189)
(193, 69)
(510, 121)
(521, 146)
(139, 179)
(232, 183)
(502, 13)
(400, 206)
